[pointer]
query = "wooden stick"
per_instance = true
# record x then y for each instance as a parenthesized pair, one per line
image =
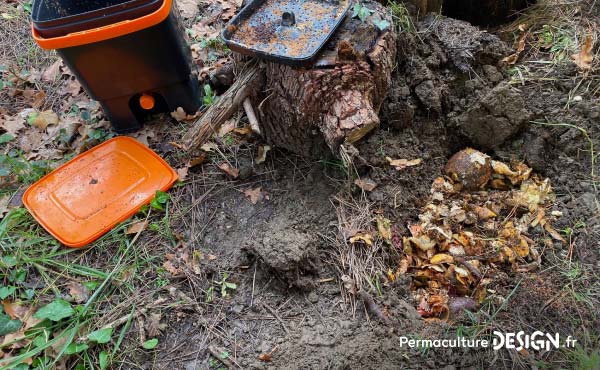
(217, 352)
(251, 116)
(250, 80)
(274, 313)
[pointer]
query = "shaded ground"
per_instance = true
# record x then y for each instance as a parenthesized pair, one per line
(295, 273)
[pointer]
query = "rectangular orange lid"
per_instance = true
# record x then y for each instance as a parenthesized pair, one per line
(87, 196)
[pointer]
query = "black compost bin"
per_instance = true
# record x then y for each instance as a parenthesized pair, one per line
(131, 56)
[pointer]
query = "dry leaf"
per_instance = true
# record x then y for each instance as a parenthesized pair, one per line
(366, 238)
(78, 292)
(168, 265)
(227, 127)
(403, 163)
(45, 119)
(16, 310)
(255, 195)
(483, 213)
(229, 169)
(13, 124)
(52, 72)
(246, 130)
(365, 184)
(188, 8)
(262, 153)
(266, 357)
(182, 173)
(441, 258)
(584, 58)
(209, 147)
(137, 227)
(422, 242)
(384, 227)
(513, 58)
(153, 325)
(197, 161)
(73, 87)
(180, 115)
(4, 201)
(553, 233)
(35, 97)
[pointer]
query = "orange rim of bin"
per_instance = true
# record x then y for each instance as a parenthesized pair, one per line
(105, 32)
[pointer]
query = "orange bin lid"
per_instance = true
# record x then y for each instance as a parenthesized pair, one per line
(87, 196)
(106, 32)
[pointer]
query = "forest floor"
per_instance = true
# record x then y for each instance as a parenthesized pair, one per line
(296, 263)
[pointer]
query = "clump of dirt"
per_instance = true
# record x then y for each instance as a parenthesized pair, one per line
(498, 116)
(289, 252)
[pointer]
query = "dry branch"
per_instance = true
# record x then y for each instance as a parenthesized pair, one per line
(248, 82)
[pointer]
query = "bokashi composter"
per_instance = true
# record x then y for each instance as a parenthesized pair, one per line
(131, 56)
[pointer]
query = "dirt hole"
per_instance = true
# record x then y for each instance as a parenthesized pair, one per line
(485, 13)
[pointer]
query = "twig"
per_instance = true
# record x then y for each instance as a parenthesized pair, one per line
(253, 283)
(251, 116)
(249, 81)
(272, 311)
(142, 332)
(216, 352)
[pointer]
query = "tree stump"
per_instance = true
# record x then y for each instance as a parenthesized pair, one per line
(312, 111)
(338, 99)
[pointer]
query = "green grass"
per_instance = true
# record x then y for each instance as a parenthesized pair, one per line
(34, 270)
(400, 16)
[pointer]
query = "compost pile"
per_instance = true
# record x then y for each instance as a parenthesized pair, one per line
(476, 225)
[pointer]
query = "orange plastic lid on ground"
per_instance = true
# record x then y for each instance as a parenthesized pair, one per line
(87, 196)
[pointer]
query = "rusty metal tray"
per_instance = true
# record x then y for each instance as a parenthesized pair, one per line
(286, 31)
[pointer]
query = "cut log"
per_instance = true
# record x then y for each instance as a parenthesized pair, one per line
(312, 111)
(338, 99)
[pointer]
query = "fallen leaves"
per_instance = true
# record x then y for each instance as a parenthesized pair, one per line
(43, 119)
(188, 8)
(52, 72)
(229, 170)
(366, 238)
(476, 222)
(366, 184)
(584, 58)
(261, 157)
(79, 292)
(255, 195)
(401, 164)
(513, 58)
(181, 115)
(137, 227)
